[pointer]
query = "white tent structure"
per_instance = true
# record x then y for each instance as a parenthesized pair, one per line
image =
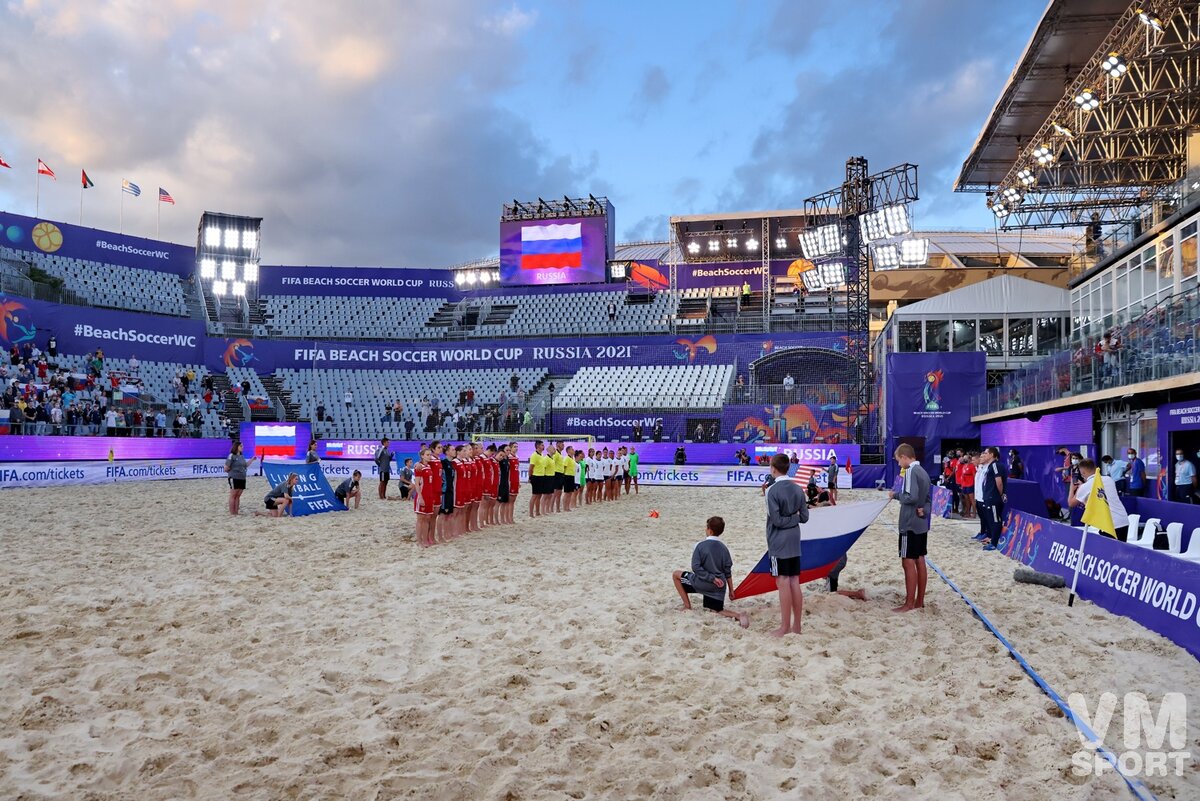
(1013, 320)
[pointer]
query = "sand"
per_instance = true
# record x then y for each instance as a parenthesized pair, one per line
(152, 648)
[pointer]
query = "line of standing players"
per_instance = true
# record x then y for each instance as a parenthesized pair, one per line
(459, 489)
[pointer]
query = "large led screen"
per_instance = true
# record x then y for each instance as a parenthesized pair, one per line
(546, 252)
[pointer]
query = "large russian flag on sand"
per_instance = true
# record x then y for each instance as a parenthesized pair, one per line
(549, 247)
(824, 540)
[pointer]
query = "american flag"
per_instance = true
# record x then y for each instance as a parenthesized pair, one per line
(165, 197)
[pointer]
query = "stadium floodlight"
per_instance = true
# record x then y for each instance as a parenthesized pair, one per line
(1150, 20)
(470, 278)
(232, 238)
(1027, 177)
(218, 288)
(496, 276)
(887, 257)
(833, 274)
(813, 281)
(999, 209)
(249, 239)
(485, 276)
(897, 219)
(229, 269)
(914, 252)
(237, 288)
(1115, 66)
(212, 236)
(693, 247)
(831, 238)
(874, 227)
(459, 279)
(781, 243)
(731, 243)
(250, 272)
(1087, 100)
(1063, 131)
(1012, 196)
(1043, 155)
(713, 246)
(751, 244)
(810, 240)
(208, 269)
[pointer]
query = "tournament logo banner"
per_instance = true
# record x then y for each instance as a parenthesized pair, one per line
(37, 236)
(312, 493)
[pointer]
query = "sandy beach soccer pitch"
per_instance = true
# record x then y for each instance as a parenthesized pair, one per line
(152, 648)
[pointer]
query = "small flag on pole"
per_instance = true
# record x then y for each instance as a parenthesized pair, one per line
(130, 188)
(44, 170)
(87, 182)
(165, 197)
(1097, 512)
(4, 163)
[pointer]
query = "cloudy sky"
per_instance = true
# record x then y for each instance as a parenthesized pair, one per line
(383, 132)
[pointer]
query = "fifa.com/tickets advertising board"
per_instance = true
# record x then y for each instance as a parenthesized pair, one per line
(545, 252)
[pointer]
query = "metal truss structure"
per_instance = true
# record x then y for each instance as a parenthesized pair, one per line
(861, 193)
(590, 206)
(1116, 139)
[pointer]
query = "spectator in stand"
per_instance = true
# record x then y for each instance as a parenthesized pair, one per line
(637, 432)
(348, 399)
(714, 431)
(52, 347)
(409, 425)
(699, 435)
(320, 411)
(134, 365)
(1136, 482)
(745, 293)
(160, 424)
(656, 433)
(612, 311)
(1183, 489)
(789, 386)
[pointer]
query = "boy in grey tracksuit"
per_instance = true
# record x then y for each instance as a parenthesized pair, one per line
(786, 510)
(915, 511)
(711, 575)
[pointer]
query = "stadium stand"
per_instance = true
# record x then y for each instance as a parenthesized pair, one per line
(349, 317)
(585, 313)
(375, 391)
(110, 285)
(675, 387)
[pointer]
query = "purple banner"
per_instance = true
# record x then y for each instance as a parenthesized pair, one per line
(96, 449)
(37, 236)
(80, 330)
(1150, 587)
(1065, 428)
(787, 422)
(565, 353)
(571, 250)
(369, 282)
(718, 274)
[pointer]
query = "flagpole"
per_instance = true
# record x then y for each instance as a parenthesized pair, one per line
(158, 225)
(121, 227)
(81, 203)
(1078, 564)
(37, 195)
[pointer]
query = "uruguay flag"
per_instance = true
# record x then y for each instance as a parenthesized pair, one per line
(549, 247)
(824, 540)
(275, 440)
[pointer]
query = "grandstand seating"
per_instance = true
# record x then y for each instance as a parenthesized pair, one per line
(374, 392)
(350, 317)
(583, 313)
(673, 387)
(111, 285)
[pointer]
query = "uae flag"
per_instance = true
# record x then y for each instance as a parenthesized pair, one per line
(87, 182)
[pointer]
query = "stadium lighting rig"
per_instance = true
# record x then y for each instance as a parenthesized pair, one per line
(228, 254)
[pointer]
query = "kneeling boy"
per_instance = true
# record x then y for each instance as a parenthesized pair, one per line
(711, 574)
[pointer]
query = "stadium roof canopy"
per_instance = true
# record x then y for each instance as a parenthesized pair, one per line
(1000, 296)
(1096, 115)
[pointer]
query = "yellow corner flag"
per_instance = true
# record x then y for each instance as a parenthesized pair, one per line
(1097, 514)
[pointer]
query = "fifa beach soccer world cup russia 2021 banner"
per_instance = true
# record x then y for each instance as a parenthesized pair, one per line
(43, 237)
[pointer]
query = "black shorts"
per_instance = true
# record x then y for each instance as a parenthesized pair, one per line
(269, 503)
(538, 484)
(560, 481)
(913, 545)
(237, 483)
(340, 497)
(715, 604)
(787, 566)
(568, 484)
(383, 477)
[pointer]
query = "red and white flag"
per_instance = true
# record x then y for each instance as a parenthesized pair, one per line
(44, 170)
(4, 163)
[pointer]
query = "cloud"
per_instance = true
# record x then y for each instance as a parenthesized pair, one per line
(652, 227)
(370, 137)
(652, 91)
(920, 97)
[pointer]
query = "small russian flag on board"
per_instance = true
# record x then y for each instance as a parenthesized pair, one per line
(335, 449)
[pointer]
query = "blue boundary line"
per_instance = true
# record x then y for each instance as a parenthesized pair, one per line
(1136, 786)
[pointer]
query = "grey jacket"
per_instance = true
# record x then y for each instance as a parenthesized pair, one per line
(786, 510)
(914, 494)
(711, 560)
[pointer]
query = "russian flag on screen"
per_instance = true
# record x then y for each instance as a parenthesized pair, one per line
(824, 540)
(548, 247)
(275, 440)
(335, 449)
